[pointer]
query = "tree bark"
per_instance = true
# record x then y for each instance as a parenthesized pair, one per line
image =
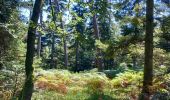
(148, 66)
(77, 55)
(39, 45)
(52, 50)
(134, 61)
(28, 86)
(65, 52)
(98, 60)
(39, 36)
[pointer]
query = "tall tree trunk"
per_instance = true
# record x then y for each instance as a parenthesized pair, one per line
(98, 55)
(148, 67)
(39, 36)
(134, 61)
(65, 52)
(39, 45)
(28, 86)
(52, 50)
(30, 10)
(52, 65)
(77, 55)
(110, 16)
(64, 38)
(110, 60)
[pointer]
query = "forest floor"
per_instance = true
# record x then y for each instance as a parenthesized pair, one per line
(92, 85)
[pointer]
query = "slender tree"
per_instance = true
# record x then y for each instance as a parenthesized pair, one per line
(77, 54)
(98, 59)
(39, 36)
(80, 29)
(97, 36)
(52, 35)
(64, 37)
(148, 66)
(28, 86)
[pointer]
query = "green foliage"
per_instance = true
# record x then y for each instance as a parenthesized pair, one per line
(127, 78)
(13, 54)
(160, 57)
(6, 8)
(164, 37)
(100, 45)
(121, 26)
(90, 85)
(11, 80)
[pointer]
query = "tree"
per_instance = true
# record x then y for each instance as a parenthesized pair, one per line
(148, 66)
(165, 36)
(39, 36)
(28, 86)
(79, 10)
(64, 37)
(98, 55)
(105, 24)
(98, 60)
(52, 65)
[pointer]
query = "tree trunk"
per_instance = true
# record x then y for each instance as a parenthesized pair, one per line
(52, 50)
(148, 67)
(52, 64)
(98, 55)
(39, 45)
(134, 61)
(77, 55)
(64, 38)
(39, 36)
(65, 52)
(28, 86)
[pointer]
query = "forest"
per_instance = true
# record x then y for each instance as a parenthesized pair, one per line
(84, 49)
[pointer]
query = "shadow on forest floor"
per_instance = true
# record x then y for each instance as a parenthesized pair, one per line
(100, 97)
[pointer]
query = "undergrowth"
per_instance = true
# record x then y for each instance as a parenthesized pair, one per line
(92, 85)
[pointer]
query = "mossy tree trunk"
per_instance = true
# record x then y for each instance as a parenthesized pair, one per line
(28, 86)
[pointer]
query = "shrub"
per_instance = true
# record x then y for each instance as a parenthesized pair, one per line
(45, 85)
